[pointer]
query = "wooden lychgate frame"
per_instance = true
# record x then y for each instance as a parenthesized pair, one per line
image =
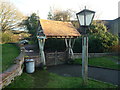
(68, 37)
(69, 42)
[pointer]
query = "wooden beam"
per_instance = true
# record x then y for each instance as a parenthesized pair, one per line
(68, 37)
(66, 42)
(41, 47)
(69, 46)
(70, 49)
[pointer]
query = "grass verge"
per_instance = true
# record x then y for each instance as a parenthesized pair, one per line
(105, 62)
(9, 53)
(44, 79)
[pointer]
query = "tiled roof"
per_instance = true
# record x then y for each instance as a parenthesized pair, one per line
(58, 29)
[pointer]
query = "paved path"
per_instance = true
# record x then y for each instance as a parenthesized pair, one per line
(105, 75)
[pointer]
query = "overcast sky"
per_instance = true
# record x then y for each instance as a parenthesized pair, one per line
(105, 9)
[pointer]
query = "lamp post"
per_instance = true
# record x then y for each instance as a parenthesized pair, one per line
(85, 18)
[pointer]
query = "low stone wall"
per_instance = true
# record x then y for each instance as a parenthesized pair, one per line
(15, 70)
(56, 58)
(90, 55)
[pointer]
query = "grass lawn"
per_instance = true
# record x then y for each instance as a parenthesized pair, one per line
(9, 53)
(44, 79)
(105, 62)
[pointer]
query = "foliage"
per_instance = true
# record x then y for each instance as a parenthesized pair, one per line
(55, 45)
(9, 37)
(97, 26)
(60, 15)
(9, 53)
(6, 37)
(99, 39)
(31, 23)
(98, 42)
(10, 16)
(50, 17)
(105, 62)
(102, 41)
(76, 24)
(44, 79)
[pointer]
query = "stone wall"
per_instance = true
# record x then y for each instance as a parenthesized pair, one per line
(15, 70)
(56, 58)
(90, 55)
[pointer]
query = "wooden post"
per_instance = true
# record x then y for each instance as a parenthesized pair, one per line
(67, 55)
(41, 47)
(85, 59)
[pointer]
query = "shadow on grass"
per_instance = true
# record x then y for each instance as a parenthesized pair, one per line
(44, 79)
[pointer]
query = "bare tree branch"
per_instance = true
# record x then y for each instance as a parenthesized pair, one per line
(10, 16)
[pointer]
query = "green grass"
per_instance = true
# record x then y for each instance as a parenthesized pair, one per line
(105, 62)
(116, 57)
(44, 79)
(9, 53)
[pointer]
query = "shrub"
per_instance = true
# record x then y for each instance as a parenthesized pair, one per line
(102, 42)
(6, 37)
(98, 42)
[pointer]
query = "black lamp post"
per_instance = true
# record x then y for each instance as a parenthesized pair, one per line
(85, 18)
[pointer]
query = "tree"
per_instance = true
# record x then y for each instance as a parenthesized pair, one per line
(60, 15)
(10, 16)
(50, 17)
(31, 22)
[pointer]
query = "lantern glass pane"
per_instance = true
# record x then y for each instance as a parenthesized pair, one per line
(81, 19)
(89, 17)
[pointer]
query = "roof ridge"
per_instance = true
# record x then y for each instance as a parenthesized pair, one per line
(55, 21)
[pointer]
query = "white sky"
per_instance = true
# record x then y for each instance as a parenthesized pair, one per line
(105, 9)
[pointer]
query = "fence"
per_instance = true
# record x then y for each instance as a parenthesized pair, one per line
(15, 70)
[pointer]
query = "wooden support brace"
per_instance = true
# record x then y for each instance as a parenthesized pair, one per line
(69, 45)
(41, 47)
